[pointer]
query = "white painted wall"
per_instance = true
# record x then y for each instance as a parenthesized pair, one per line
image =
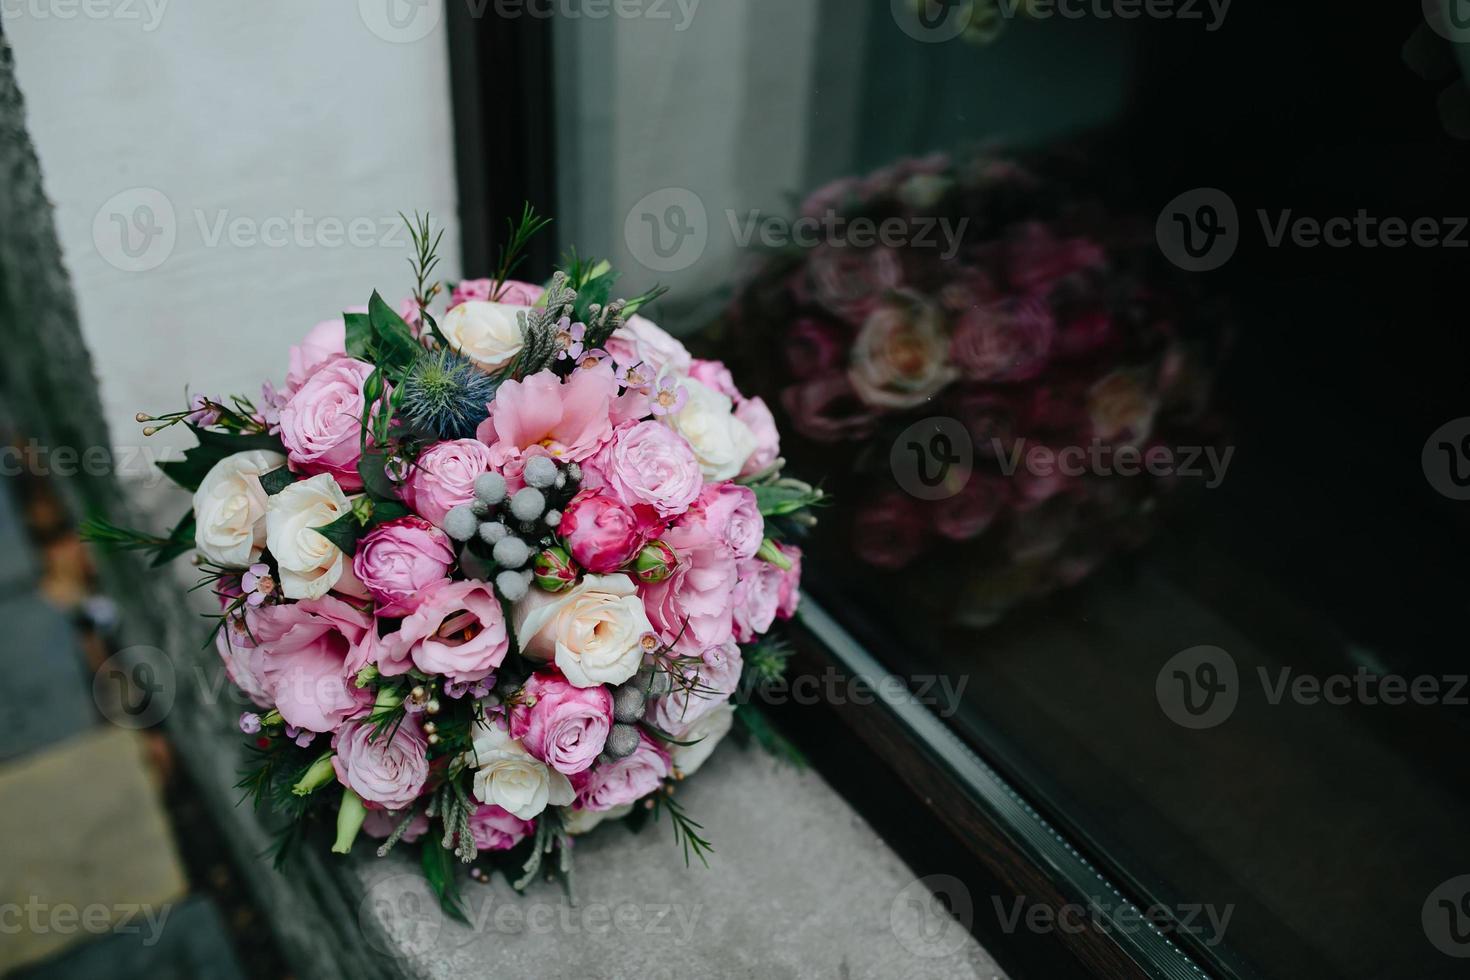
(287, 119)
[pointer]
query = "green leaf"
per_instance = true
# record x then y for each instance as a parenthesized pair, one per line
(343, 532)
(359, 335)
(190, 471)
(277, 480)
(373, 468)
(595, 291)
(776, 500)
(438, 866)
(180, 541)
(396, 348)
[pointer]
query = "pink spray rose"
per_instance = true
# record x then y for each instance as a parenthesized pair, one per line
(718, 676)
(731, 514)
(648, 463)
(309, 652)
(388, 772)
(563, 726)
(399, 560)
(496, 829)
(696, 603)
(1004, 343)
(715, 375)
(827, 409)
(237, 648)
(640, 340)
(444, 478)
(458, 630)
(322, 343)
(570, 420)
(512, 293)
(757, 417)
(615, 783)
(757, 597)
(603, 533)
(790, 582)
(321, 422)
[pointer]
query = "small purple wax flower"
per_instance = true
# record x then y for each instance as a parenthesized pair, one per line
(250, 723)
(634, 376)
(569, 338)
(593, 358)
(257, 583)
(669, 397)
(300, 736)
(202, 411)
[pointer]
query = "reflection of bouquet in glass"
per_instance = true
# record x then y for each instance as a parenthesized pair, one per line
(997, 325)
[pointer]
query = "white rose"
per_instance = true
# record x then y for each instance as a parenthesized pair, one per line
(513, 779)
(705, 733)
(229, 508)
(581, 821)
(721, 442)
(594, 632)
(310, 564)
(487, 333)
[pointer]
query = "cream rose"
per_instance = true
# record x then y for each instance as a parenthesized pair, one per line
(581, 821)
(594, 632)
(705, 732)
(487, 333)
(509, 777)
(310, 564)
(229, 508)
(721, 442)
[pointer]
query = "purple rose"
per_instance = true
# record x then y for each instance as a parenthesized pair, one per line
(731, 514)
(563, 726)
(444, 478)
(624, 780)
(648, 463)
(458, 630)
(401, 559)
(496, 829)
(321, 422)
(390, 772)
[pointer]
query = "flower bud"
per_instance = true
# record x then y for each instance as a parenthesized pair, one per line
(554, 569)
(655, 562)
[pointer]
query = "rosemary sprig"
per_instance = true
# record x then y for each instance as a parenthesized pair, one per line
(512, 253)
(686, 829)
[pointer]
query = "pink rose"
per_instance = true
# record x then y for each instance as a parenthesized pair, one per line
(625, 780)
(563, 726)
(398, 560)
(309, 653)
(694, 607)
(648, 463)
(757, 597)
(714, 374)
(444, 478)
(1004, 344)
(851, 282)
(382, 823)
(731, 514)
(388, 772)
(1036, 258)
(815, 347)
(889, 532)
(322, 343)
(321, 422)
(512, 293)
(235, 642)
(827, 409)
(495, 829)
(640, 340)
(758, 418)
(900, 357)
(603, 533)
(713, 683)
(790, 582)
(571, 420)
(969, 512)
(458, 630)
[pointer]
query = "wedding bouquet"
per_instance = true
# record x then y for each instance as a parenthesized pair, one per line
(1042, 325)
(491, 575)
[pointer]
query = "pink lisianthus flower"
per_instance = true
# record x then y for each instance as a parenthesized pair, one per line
(444, 478)
(731, 514)
(757, 598)
(309, 653)
(625, 780)
(569, 420)
(603, 533)
(758, 418)
(387, 772)
(497, 829)
(640, 339)
(458, 630)
(236, 646)
(648, 463)
(693, 608)
(713, 683)
(565, 727)
(398, 561)
(321, 423)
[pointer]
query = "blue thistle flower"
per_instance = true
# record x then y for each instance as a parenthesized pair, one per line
(447, 395)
